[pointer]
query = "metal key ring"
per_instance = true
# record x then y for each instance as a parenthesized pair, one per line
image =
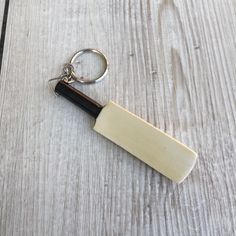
(89, 81)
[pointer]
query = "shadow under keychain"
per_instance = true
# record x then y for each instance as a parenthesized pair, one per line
(146, 142)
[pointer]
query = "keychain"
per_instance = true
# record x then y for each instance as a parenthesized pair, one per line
(146, 142)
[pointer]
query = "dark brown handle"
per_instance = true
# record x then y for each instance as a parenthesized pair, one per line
(78, 98)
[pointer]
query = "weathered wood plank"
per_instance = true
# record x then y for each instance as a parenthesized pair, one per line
(172, 63)
(2, 4)
(3, 25)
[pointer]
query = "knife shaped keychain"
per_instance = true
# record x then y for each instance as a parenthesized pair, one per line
(146, 142)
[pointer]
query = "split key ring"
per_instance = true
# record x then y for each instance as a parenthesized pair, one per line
(83, 80)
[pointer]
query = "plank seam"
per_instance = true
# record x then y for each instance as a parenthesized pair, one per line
(3, 31)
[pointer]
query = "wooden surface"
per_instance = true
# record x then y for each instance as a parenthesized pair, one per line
(172, 63)
(2, 4)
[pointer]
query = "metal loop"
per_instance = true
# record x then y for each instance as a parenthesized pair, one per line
(89, 81)
(68, 69)
(67, 76)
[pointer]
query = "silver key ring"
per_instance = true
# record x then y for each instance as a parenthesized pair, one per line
(80, 79)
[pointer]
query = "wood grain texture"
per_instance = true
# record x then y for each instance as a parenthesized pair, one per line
(2, 4)
(172, 63)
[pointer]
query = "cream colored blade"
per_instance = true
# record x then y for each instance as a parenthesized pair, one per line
(157, 149)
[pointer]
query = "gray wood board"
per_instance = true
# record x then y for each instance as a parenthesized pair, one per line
(2, 4)
(172, 63)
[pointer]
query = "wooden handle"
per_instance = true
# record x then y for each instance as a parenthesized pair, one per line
(78, 98)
